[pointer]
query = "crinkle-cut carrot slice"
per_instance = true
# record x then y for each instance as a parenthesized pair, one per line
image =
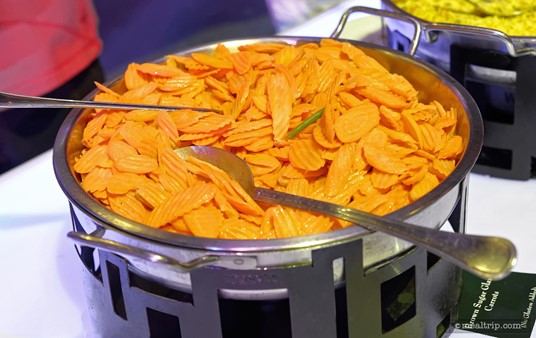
(159, 70)
(205, 221)
(260, 145)
(286, 55)
(104, 135)
(413, 161)
(399, 137)
(138, 164)
(412, 127)
(93, 127)
(170, 100)
(314, 224)
(174, 166)
(298, 186)
(179, 226)
(242, 101)
(118, 148)
(269, 181)
(128, 206)
(453, 147)
(382, 180)
(121, 183)
(339, 169)
(396, 198)
(383, 161)
(206, 141)
(208, 123)
(236, 195)
(368, 203)
(217, 84)
(167, 125)
(390, 118)
(385, 98)
(96, 179)
(105, 89)
(400, 150)
(285, 221)
(235, 228)
(399, 85)
(349, 100)
(139, 94)
(280, 153)
(357, 122)
(105, 97)
(261, 164)
(133, 78)
(191, 91)
(114, 118)
(306, 154)
(414, 175)
(185, 117)
(181, 202)
(177, 82)
(261, 47)
(424, 186)
(446, 123)
(151, 193)
(92, 158)
(211, 61)
(169, 183)
(133, 132)
(223, 204)
(241, 62)
(431, 137)
(261, 102)
(442, 168)
(280, 105)
(322, 140)
(102, 196)
(148, 147)
(141, 115)
(289, 171)
(245, 138)
(244, 126)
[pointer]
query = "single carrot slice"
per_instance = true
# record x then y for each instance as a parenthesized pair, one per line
(91, 159)
(357, 122)
(138, 164)
(205, 221)
(179, 203)
(305, 154)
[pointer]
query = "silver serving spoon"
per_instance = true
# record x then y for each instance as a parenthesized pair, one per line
(10, 101)
(486, 257)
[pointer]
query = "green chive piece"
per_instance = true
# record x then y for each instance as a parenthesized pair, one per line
(306, 123)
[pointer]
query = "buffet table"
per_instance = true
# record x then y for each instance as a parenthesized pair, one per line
(41, 292)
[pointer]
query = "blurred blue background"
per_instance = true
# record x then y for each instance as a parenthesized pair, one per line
(141, 30)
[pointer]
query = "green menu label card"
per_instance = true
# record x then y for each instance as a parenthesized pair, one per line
(503, 308)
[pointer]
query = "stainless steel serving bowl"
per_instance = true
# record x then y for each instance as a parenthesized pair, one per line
(167, 257)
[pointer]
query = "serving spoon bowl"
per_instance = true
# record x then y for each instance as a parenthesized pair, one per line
(484, 256)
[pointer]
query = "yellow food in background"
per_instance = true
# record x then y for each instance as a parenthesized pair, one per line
(371, 144)
(460, 12)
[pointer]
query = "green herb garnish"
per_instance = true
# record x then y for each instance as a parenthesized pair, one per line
(306, 123)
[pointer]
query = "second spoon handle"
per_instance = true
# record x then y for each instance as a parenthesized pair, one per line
(484, 256)
(8, 100)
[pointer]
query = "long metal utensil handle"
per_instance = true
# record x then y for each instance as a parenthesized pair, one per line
(8, 100)
(484, 256)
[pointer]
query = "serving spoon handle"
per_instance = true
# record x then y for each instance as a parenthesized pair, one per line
(8, 100)
(485, 256)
